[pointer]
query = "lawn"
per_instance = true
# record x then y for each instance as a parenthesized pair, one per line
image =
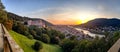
(26, 44)
(51, 48)
(23, 41)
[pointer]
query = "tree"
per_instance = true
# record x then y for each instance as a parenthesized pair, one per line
(1, 5)
(67, 45)
(62, 36)
(83, 46)
(20, 28)
(45, 38)
(73, 37)
(30, 36)
(55, 40)
(32, 32)
(3, 17)
(8, 24)
(37, 46)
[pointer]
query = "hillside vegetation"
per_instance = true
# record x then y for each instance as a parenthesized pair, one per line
(26, 43)
(102, 22)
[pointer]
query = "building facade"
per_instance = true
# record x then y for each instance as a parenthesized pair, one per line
(38, 23)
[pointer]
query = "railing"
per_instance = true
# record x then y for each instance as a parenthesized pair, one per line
(9, 43)
(115, 47)
(1, 40)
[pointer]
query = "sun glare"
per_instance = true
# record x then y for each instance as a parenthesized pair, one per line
(85, 17)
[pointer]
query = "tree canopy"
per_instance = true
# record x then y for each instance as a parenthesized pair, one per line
(3, 17)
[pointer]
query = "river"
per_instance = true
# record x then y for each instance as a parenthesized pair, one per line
(89, 33)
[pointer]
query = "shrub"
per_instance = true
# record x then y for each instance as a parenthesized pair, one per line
(55, 40)
(37, 46)
(45, 38)
(30, 36)
(67, 45)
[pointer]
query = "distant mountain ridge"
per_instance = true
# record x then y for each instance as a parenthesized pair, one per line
(102, 22)
(23, 19)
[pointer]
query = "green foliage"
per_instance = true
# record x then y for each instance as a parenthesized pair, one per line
(55, 40)
(30, 36)
(46, 35)
(45, 38)
(67, 45)
(23, 41)
(4, 19)
(37, 46)
(116, 36)
(26, 44)
(55, 36)
(1, 5)
(32, 32)
(20, 28)
(95, 45)
(83, 46)
(73, 37)
(3, 16)
(37, 31)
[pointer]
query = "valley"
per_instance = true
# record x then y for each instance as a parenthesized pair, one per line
(59, 26)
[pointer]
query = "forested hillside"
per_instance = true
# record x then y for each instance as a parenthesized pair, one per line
(102, 22)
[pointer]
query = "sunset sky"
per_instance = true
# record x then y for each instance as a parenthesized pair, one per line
(65, 11)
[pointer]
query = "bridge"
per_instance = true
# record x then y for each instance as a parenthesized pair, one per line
(7, 43)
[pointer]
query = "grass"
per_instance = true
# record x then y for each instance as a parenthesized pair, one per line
(51, 48)
(26, 44)
(23, 41)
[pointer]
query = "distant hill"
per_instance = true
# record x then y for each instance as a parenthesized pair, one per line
(23, 19)
(16, 17)
(101, 22)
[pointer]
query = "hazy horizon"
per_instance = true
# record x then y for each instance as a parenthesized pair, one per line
(64, 11)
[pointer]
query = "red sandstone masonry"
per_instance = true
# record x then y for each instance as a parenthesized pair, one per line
(14, 47)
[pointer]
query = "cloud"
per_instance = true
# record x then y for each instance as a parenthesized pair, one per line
(69, 13)
(101, 7)
(62, 17)
(48, 11)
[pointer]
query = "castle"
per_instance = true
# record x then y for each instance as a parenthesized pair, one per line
(38, 23)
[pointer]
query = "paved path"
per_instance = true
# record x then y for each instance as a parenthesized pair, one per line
(1, 39)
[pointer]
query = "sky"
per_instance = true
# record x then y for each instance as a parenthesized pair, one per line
(65, 11)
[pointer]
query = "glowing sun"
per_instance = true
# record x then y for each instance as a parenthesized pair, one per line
(85, 17)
